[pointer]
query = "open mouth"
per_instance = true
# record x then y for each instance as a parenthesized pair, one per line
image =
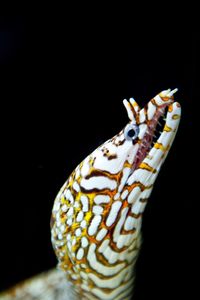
(155, 128)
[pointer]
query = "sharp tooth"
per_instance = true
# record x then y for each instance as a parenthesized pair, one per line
(161, 110)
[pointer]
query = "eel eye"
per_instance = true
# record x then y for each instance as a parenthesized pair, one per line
(131, 132)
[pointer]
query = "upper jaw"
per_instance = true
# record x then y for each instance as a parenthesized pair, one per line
(169, 112)
(148, 166)
(160, 148)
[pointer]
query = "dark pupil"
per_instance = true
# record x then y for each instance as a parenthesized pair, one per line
(131, 133)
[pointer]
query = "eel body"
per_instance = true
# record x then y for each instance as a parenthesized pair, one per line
(97, 214)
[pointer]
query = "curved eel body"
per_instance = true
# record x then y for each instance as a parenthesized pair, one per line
(97, 214)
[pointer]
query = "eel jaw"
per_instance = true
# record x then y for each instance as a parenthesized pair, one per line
(147, 164)
(159, 134)
(161, 147)
(151, 135)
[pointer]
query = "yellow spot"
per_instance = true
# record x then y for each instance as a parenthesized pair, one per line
(87, 270)
(167, 128)
(161, 147)
(145, 166)
(170, 108)
(74, 248)
(127, 164)
(165, 98)
(135, 104)
(62, 200)
(175, 117)
(74, 226)
(77, 209)
(88, 216)
(84, 232)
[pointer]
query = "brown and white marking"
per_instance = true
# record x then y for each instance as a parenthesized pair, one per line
(97, 215)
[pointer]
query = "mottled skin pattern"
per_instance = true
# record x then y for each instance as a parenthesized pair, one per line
(97, 214)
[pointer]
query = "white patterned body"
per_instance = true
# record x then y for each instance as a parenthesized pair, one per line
(97, 214)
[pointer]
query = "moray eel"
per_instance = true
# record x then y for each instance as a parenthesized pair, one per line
(97, 214)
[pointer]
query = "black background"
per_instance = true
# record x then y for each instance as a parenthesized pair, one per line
(61, 86)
